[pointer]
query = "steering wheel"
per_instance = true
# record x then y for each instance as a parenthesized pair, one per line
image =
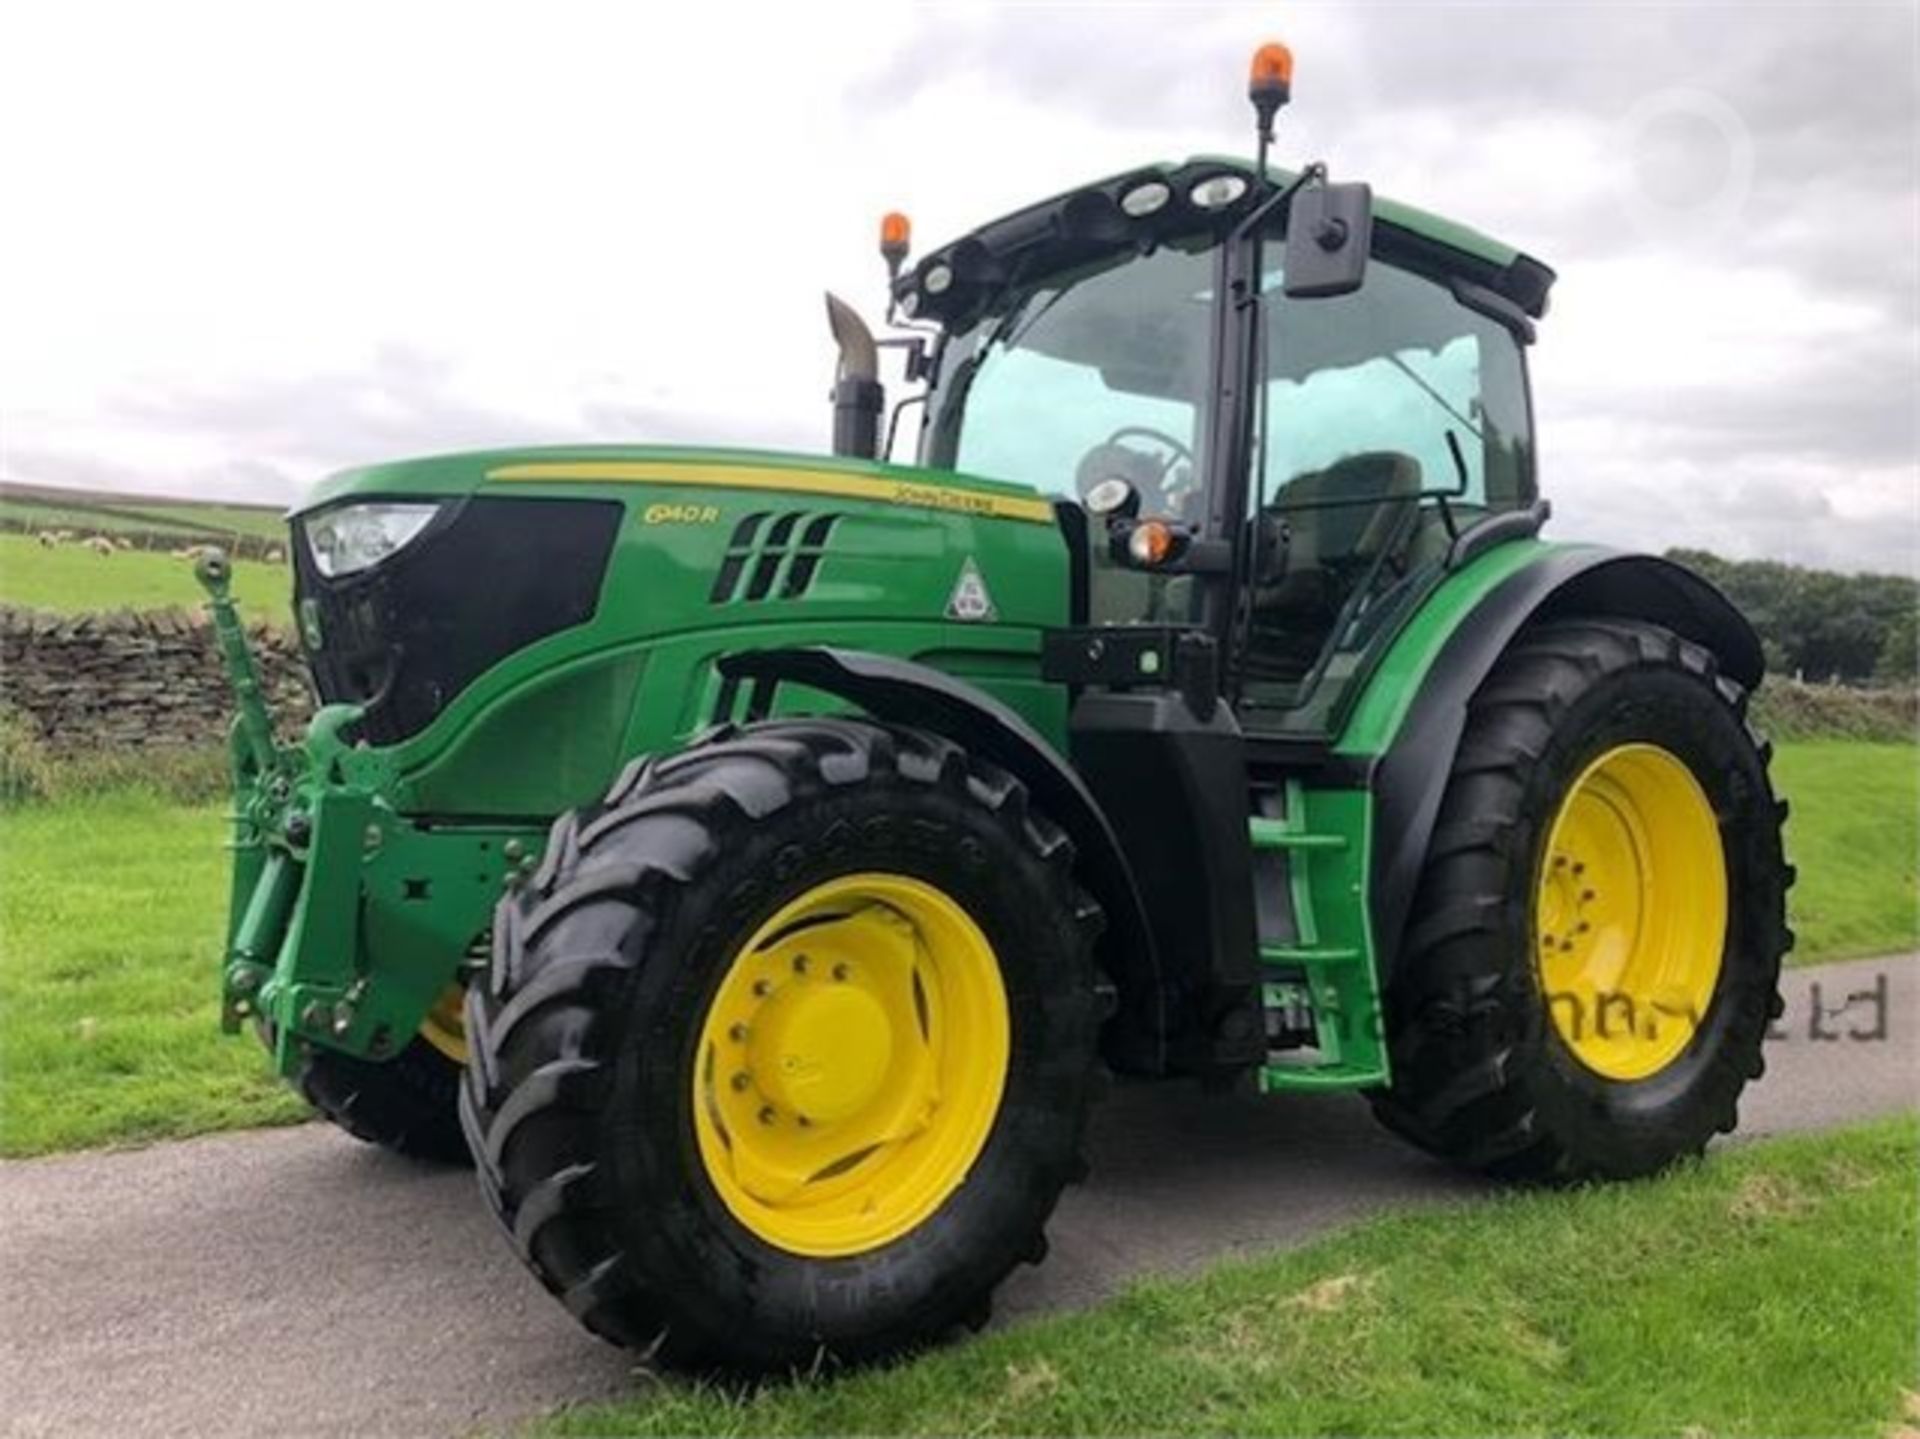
(1181, 451)
(1147, 473)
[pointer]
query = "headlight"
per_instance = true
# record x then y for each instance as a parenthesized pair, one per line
(349, 539)
(1146, 199)
(1216, 192)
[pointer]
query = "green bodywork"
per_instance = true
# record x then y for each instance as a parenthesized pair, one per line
(365, 878)
(352, 909)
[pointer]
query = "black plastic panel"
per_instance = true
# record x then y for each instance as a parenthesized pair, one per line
(488, 577)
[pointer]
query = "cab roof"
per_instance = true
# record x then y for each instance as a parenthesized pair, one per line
(1087, 223)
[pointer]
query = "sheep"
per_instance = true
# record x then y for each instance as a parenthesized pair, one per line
(47, 539)
(276, 556)
(99, 544)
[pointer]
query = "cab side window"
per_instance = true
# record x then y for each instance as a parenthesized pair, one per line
(1390, 417)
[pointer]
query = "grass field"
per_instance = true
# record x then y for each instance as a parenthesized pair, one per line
(1767, 1291)
(111, 914)
(70, 580)
(111, 922)
(1854, 833)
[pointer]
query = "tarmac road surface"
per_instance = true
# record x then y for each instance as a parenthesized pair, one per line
(294, 1281)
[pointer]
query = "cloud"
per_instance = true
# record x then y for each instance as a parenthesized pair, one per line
(599, 226)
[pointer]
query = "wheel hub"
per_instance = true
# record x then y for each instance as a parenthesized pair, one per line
(851, 1064)
(445, 1024)
(821, 1049)
(1630, 913)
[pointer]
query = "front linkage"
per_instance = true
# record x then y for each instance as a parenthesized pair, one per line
(347, 918)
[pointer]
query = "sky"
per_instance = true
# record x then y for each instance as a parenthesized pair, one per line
(244, 245)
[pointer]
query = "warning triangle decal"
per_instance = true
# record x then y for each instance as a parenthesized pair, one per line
(970, 600)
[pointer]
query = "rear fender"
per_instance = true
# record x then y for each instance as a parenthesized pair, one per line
(1410, 775)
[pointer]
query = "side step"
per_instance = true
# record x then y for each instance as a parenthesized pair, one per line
(1325, 977)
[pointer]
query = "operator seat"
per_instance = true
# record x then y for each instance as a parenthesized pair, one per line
(1338, 520)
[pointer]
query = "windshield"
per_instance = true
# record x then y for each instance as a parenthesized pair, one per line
(1098, 373)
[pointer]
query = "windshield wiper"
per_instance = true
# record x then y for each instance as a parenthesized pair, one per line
(1439, 399)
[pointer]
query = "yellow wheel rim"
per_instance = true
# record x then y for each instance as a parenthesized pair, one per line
(851, 1064)
(1630, 917)
(445, 1026)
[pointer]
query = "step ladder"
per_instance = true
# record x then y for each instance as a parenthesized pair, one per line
(1327, 971)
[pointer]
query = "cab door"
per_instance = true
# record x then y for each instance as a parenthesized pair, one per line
(1390, 420)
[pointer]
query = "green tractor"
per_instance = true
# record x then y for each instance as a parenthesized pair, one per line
(753, 860)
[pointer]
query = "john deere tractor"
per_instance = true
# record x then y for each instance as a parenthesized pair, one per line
(752, 858)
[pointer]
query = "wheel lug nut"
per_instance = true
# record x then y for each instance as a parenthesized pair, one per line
(766, 1115)
(1589, 894)
(805, 1123)
(1559, 861)
(840, 972)
(762, 988)
(799, 964)
(1579, 868)
(1566, 946)
(1584, 926)
(742, 1080)
(738, 1034)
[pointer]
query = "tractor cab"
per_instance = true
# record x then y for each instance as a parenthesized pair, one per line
(1292, 471)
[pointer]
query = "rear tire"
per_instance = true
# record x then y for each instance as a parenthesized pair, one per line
(1485, 1074)
(593, 1043)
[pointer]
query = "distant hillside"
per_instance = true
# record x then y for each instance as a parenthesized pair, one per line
(147, 522)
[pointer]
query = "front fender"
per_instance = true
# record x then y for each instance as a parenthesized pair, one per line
(903, 692)
(1414, 756)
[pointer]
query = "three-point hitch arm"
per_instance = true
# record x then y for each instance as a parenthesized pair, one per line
(255, 723)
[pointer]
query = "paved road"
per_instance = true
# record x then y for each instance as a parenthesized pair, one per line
(294, 1281)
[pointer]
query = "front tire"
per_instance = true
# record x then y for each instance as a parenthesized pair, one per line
(1592, 959)
(409, 1104)
(786, 1049)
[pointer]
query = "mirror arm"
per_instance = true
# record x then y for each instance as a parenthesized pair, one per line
(1259, 214)
(915, 347)
(893, 424)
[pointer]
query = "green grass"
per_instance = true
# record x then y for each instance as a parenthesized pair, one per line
(113, 899)
(1854, 833)
(111, 920)
(1768, 1290)
(70, 579)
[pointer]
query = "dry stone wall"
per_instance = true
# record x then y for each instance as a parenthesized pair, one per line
(122, 680)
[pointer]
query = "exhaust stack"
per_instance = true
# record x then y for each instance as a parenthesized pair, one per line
(858, 396)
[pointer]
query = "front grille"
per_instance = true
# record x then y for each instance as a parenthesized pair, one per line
(488, 577)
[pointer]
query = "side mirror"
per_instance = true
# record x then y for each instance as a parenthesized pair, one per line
(1329, 233)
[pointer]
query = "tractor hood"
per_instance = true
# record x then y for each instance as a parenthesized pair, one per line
(446, 477)
(480, 607)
